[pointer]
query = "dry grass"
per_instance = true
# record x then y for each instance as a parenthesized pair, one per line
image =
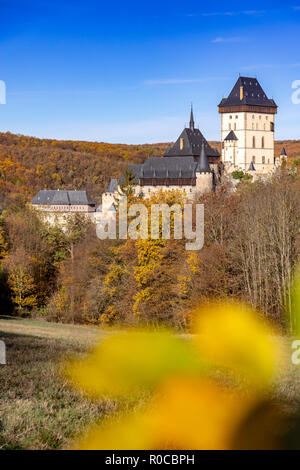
(38, 410)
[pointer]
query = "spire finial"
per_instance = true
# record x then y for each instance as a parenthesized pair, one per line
(192, 122)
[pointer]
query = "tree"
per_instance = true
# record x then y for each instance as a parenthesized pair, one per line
(23, 289)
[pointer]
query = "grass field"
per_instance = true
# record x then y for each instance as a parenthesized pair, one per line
(38, 410)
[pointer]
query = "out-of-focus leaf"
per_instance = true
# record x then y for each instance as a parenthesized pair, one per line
(185, 414)
(233, 336)
(127, 362)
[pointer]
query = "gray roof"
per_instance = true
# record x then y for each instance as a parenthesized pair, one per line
(251, 167)
(253, 94)
(113, 186)
(283, 152)
(171, 167)
(231, 136)
(52, 197)
(192, 143)
(203, 165)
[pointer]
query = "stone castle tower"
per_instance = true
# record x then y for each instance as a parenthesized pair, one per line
(248, 122)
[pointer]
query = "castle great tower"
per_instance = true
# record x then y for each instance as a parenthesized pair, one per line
(248, 124)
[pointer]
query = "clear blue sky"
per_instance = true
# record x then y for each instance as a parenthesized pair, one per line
(119, 71)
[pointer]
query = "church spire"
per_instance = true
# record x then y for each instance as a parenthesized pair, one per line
(192, 122)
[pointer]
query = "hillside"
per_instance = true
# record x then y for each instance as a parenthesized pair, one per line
(28, 164)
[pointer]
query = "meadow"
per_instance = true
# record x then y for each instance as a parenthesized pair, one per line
(39, 410)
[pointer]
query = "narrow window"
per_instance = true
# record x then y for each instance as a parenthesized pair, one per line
(181, 143)
(253, 159)
(235, 126)
(272, 126)
(263, 142)
(263, 160)
(253, 142)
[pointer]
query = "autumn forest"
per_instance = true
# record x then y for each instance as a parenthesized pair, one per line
(251, 242)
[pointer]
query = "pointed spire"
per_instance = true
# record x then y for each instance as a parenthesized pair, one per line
(283, 152)
(192, 122)
(251, 167)
(203, 165)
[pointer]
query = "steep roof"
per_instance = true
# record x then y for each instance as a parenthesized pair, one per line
(171, 167)
(283, 152)
(192, 143)
(63, 197)
(203, 165)
(231, 136)
(252, 94)
(113, 186)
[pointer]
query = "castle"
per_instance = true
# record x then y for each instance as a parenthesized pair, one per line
(191, 164)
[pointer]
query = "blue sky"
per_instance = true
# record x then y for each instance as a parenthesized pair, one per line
(127, 71)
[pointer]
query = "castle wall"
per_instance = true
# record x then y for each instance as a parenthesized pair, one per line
(248, 126)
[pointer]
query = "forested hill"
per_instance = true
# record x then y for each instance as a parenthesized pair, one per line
(28, 164)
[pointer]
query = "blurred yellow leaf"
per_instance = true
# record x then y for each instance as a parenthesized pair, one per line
(185, 414)
(127, 362)
(233, 336)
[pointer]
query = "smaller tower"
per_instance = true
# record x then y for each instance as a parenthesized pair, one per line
(204, 175)
(282, 159)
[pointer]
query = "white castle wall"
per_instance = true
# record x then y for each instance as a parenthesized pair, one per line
(247, 126)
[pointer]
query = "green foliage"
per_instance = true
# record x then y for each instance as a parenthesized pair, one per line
(126, 188)
(240, 175)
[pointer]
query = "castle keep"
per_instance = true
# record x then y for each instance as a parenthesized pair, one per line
(247, 127)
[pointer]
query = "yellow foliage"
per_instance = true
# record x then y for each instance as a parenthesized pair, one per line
(188, 409)
(233, 336)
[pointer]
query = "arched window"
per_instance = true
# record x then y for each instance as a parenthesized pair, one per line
(263, 142)
(253, 142)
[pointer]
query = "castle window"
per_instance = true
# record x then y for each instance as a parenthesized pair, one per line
(230, 127)
(236, 117)
(263, 142)
(181, 144)
(272, 126)
(253, 142)
(267, 117)
(253, 159)
(235, 126)
(253, 116)
(263, 160)
(253, 126)
(264, 127)
(230, 117)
